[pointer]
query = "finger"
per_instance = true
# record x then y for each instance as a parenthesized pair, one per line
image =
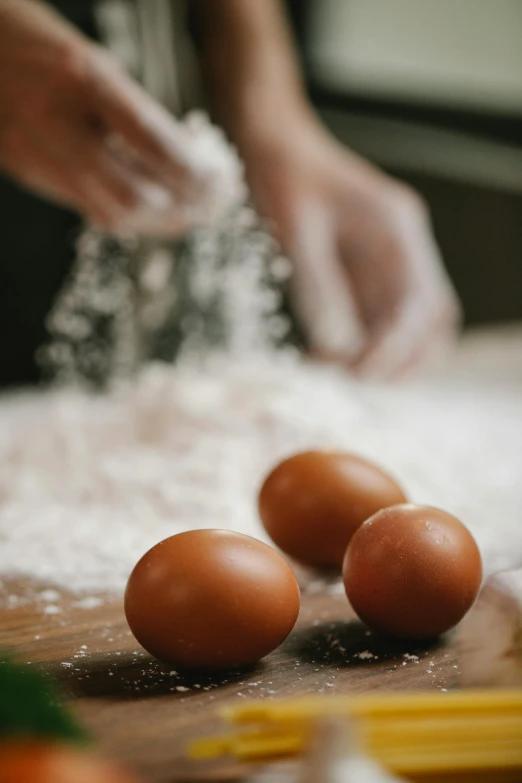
(113, 196)
(80, 148)
(148, 210)
(125, 159)
(98, 179)
(437, 345)
(389, 346)
(85, 196)
(46, 175)
(426, 309)
(398, 347)
(320, 288)
(149, 129)
(147, 207)
(131, 191)
(170, 225)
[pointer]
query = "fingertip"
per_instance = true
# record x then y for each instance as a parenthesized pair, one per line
(377, 360)
(422, 348)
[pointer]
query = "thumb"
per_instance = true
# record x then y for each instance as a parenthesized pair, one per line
(320, 288)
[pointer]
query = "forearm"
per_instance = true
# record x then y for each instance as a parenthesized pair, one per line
(34, 20)
(249, 64)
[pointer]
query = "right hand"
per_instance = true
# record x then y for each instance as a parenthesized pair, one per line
(74, 128)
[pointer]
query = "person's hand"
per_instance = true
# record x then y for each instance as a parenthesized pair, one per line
(76, 129)
(368, 286)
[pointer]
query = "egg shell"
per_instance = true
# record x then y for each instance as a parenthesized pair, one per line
(211, 599)
(312, 503)
(412, 571)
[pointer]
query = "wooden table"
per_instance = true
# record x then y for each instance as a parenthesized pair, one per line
(144, 713)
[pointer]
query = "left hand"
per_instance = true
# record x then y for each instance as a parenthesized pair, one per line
(369, 285)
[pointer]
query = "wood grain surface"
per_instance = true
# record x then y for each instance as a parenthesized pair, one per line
(143, 712)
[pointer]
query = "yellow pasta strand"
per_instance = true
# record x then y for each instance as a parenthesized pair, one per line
(475, 735)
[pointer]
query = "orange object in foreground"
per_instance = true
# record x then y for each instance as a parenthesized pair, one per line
(412, 571)
(39, 761)
(211, 599)
(312, 503)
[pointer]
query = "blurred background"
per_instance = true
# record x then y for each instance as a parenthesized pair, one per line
(431, 91)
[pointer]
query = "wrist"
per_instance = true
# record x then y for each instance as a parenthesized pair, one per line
(270, 127)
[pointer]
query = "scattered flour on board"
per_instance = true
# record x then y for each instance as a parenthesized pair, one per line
(365, 655)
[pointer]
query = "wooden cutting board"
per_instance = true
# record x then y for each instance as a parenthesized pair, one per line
(143, 712)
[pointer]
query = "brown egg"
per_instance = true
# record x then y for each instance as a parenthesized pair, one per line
(312, 503)
(412, 571)
(211, 599)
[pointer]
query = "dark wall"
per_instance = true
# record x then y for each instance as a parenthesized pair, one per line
(480, 234)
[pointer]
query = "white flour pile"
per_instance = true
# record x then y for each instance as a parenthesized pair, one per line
(88, 484)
